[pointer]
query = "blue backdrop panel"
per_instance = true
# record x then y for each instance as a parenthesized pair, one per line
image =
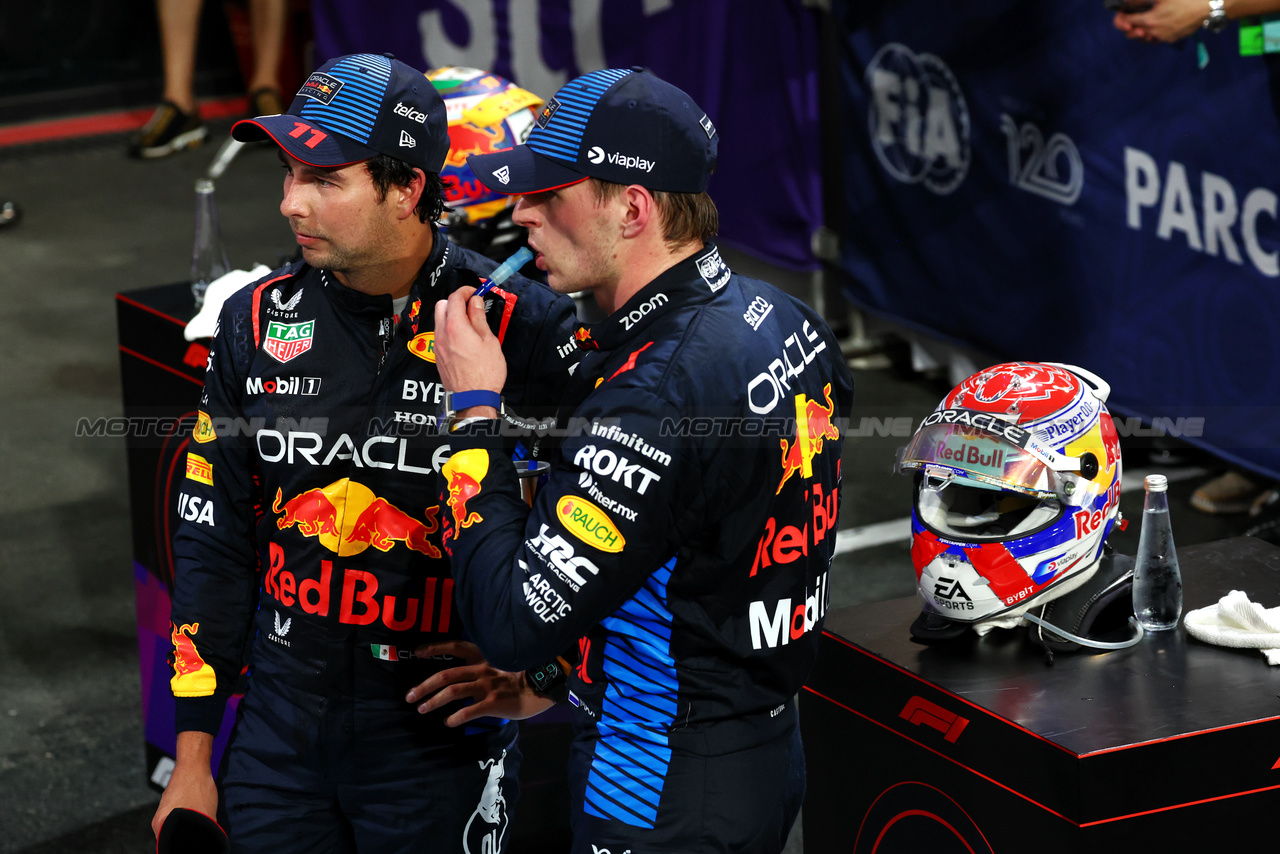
(1023, 179)
(756, 75)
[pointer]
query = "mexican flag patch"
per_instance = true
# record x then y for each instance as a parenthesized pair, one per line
(384, 652)
(286, 341)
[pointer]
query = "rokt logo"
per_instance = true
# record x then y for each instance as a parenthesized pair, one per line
(918, 119)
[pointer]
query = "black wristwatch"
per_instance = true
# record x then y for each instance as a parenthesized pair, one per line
(1217, 20)
(549, 681)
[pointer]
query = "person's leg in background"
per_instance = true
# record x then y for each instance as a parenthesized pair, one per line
(266, 26)
(175, 124)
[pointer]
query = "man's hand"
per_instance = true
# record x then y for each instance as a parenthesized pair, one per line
(1165, 21)
(496, 693)
(191, 784)
(468, 354)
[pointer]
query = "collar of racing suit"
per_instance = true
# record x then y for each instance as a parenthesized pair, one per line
(442, 258)
(696, 279)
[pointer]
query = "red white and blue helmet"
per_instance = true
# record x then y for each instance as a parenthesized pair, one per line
(486, 113)
(1017, 486)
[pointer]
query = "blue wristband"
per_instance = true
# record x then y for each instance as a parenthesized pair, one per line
(461, 400)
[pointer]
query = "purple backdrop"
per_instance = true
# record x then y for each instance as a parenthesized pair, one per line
(755, 73)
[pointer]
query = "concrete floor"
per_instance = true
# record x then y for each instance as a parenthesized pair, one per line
(96, 223)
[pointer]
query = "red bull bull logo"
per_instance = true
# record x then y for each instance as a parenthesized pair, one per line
(583, 336)
(465, 473)
(348, 518)
(813, 428)
(382, 525)
(192, 677)
(466, 139)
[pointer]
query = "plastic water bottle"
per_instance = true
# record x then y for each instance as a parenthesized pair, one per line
(1157, 580)
(208, 257)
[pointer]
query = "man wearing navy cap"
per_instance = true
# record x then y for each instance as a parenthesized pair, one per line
(309, 571)
(671, 578)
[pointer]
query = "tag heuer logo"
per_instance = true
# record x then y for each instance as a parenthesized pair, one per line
(503, 174)
(407, 141)
(286, 341)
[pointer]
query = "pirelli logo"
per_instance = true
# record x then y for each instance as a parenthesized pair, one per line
(199, 469)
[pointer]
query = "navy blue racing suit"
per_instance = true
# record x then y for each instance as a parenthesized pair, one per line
(310, 550)
(680, 548)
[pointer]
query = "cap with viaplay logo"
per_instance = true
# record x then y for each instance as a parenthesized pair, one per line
(622, 125)
(356, 107)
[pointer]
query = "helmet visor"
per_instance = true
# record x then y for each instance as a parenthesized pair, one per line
(960, 512)
(981, 456)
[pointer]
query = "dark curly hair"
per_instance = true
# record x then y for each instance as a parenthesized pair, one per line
(386, 170)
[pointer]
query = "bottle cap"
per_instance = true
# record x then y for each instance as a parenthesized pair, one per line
(1157, 483)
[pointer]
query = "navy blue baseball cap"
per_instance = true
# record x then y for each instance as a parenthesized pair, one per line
(356, 107)
(622, 125)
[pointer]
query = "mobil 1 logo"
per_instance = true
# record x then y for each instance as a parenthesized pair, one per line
(918, 118)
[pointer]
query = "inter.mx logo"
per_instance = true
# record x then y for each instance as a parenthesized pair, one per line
(918, 118)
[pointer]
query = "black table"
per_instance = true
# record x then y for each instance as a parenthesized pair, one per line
(977, 745)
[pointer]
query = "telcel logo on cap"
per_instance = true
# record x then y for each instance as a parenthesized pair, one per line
(411, 114)
(321, 87)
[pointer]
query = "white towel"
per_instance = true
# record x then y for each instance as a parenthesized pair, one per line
(206, 320)
(1237, 622)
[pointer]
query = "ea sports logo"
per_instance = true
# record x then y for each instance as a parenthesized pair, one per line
(918, 118)
(596, 154)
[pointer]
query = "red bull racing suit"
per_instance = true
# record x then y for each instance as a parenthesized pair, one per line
(310, 549)
(681, 548)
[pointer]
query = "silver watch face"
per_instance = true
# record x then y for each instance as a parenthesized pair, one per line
(1217, 20)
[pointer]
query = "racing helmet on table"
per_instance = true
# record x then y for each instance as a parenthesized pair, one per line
(1017, 486)
(486, 113)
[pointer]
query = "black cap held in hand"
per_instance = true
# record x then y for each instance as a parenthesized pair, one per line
(190, 832)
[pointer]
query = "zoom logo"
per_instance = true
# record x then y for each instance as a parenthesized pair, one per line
(918, 119)
(596, 154)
